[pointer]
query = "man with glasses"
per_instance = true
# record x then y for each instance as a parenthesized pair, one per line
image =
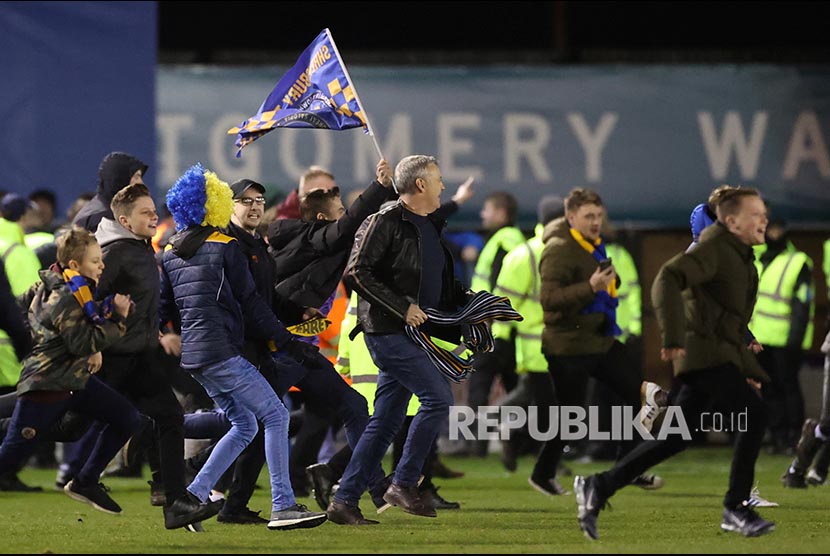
(248, 209)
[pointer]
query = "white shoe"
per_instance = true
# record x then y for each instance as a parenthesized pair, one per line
(654, 401)
(756, 501)
(814, 478)
(216, 495)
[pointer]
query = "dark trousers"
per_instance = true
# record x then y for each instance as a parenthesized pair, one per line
(722, 387)
(116, 417)
(783, 393)
(317, 420)
(397, 452)
(615, 369)
(500, 362)
(544, 397)
(142, 379)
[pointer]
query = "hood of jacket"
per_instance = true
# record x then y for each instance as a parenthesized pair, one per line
(109, 230)
(187, 242)
(115, 172)
(557, 228)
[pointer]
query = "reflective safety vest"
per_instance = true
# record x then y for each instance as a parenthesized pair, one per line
(330, 337)
(506, 239)
(629, 293)
(22, 266)
(519, 281)
(772, 317)
(36, 239)
(355, 361)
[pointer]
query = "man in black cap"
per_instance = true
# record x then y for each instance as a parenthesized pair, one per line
(249, 206)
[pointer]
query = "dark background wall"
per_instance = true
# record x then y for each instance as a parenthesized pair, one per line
(484, 32)
(78, 81)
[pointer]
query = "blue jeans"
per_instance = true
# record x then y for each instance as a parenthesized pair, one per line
(405, 369)
(117, 416)
(245, 396)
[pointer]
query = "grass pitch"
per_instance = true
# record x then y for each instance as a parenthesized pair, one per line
(499, 513)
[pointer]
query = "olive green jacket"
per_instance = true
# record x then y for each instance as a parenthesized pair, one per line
(565, 268)
(703, 300)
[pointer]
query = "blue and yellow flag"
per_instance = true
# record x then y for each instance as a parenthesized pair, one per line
(316, 93)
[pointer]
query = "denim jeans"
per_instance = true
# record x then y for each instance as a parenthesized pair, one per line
(405, 369)
(245, 396)
(117, 416)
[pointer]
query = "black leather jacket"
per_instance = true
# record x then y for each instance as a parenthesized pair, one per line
(385, 269)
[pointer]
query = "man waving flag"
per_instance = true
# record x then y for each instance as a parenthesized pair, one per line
(316, 93)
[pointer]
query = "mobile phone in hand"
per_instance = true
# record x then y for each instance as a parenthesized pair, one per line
(604, 264)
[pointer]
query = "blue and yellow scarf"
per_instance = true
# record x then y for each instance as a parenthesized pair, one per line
(605, 301)
(79, 287)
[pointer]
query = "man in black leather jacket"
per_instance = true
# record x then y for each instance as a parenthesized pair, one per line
(399, 265)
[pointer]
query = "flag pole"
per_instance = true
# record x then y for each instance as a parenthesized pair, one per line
(354, 90)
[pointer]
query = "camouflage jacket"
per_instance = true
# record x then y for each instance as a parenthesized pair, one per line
(63, 337)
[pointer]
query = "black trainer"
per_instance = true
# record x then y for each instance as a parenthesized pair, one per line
(793, 480)
(548, 487)
(10, 482)
(187, 510)
(746, 521)
(437, 501)
(246, 516)
(94, 495)
(589, 501)
(647, 481)
(322, 479)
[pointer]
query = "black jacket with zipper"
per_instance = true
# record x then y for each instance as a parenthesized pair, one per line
(385, 269)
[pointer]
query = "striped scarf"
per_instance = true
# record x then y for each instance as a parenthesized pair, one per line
(79, 287)
(605, 301)
(483, 307)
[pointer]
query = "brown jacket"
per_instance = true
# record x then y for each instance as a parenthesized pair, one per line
(565, 268)
(703, 300)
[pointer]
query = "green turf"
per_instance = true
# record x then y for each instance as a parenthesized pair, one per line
(499, 513)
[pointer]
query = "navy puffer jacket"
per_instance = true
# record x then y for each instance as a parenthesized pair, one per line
(206, 278)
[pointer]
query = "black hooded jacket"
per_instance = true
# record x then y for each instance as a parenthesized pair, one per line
(113, 175)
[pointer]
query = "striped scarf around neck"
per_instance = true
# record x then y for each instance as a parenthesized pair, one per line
(604, 301)
(85, 296)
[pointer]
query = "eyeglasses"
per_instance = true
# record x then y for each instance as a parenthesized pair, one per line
(247, 201)
(322, 193)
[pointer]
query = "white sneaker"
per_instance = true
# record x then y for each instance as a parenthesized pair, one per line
(216, 495)
(814, 478)
(654, 401)
(756, 501)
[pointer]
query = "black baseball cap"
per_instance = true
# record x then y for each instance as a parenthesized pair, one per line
(241, 186)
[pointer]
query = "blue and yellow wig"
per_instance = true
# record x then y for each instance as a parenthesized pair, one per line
(200, 198)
